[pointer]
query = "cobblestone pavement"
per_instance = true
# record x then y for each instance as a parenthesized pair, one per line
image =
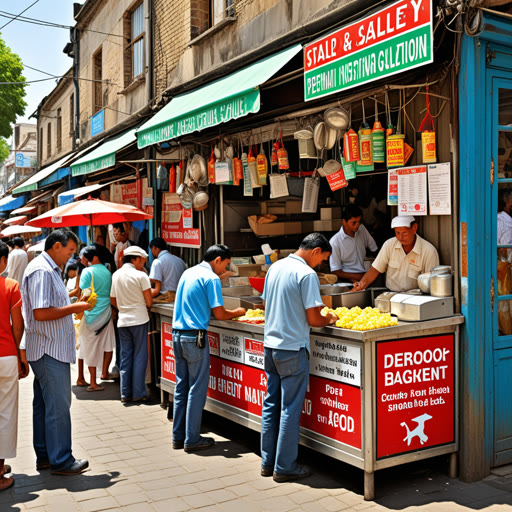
(134, 469)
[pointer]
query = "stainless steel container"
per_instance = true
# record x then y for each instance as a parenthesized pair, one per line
(382, 302)
(442, 269)
(424, 282)
(441, 285)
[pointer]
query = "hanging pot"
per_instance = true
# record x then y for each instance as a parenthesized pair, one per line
(332, 137)
(320, 136)
(200, 201)
(336, 118)
(198, 170)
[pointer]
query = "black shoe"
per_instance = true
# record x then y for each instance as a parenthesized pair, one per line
(75, 469)
(178, 445)
(42, 464)
(301, 472)
(267, 470)
(204, 443)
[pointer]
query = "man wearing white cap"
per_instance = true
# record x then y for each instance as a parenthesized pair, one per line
(131, 295)
(403, 258)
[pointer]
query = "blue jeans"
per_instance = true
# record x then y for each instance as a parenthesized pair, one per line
(134, 360)
(51, 417)
(192, 375)
(287, 380)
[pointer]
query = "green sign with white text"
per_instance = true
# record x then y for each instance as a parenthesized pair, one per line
(392, 40)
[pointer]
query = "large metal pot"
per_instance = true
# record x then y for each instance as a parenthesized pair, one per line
(441, 285)
(424, 282)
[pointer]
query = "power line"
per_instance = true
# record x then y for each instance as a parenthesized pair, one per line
(35, 21)
(3, 26)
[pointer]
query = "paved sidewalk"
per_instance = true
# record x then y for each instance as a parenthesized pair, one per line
(134, 469)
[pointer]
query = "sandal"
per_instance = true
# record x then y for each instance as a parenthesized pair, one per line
(5, 483)
(82, 383)
(7, 469)
(97, 388)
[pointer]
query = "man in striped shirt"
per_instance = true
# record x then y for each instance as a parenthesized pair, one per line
(50, 348)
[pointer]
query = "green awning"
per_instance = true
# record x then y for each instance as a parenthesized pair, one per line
(33, 182)
(104, 156)
(228, 98)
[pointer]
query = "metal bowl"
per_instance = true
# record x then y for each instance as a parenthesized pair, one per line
(424, 282)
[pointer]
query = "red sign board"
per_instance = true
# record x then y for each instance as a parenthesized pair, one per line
(415, 394)
(177, 227)
(331, 409)
(168, 368)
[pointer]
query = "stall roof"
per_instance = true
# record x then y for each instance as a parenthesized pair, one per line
(33, 182)
(70, 195)
(10, 203)
(104, 155)
(228, 98)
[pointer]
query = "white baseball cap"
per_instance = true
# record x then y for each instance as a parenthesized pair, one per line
(402, 221)
(134, 250)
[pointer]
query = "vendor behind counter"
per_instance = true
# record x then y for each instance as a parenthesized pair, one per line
(403, 258)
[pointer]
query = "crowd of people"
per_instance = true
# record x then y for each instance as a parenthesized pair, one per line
(72, 301)
(38, 330)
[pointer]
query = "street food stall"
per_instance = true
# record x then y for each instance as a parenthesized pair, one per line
(375, 399)
(363, 115)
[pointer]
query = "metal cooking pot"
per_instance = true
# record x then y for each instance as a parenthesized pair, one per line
(441, 285)
(424, 282)
(442, 269)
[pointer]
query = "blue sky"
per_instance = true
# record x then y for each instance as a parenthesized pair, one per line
(38, 46)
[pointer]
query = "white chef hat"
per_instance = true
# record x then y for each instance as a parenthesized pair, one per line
(134, 250)
(402, 221)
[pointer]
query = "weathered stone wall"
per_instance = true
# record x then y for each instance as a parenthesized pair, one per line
(59, 98)
(105, 26)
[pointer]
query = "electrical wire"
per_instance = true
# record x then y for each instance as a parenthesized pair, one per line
(35, 21)
(18, 15)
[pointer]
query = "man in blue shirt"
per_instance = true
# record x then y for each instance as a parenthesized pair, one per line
(199, 294)
(292, 305)
(166, 268)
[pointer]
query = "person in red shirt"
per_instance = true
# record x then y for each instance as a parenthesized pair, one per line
(13, 366)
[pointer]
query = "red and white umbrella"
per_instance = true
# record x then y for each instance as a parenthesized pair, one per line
(21, 219)
(88, 212)
(19, 230)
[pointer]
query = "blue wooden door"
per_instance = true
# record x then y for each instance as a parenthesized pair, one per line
(499, 144)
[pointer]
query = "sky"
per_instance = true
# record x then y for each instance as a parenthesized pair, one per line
(39, 47)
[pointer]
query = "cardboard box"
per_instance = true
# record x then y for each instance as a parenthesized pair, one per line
(330, 213)
(292, 207)
(281, 207)
(241, 260)
(327, 225)
(274, 228)
(250, 270)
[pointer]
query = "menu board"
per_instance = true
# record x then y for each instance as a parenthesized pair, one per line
(412, 190)
(392, 187)
(177, 227)
(439, 189)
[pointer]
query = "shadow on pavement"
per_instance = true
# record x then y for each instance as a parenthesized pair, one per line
(27, 488)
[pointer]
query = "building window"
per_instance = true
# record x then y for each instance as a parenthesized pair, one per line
(221, 9)
(133, 29)
(40, 144)
(72, 115)
(59, 130)
(49, 141)
(97, 75)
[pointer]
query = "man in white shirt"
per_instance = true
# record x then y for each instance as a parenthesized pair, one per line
(403, 258)
(166, 268)
(131, 296)
(349, 246)
(18, 260)
(504, 224)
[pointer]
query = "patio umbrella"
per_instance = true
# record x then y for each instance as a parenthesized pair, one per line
(88, 212)
(16, 220)
(19, 230)
(39, 247)
(24, 209)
